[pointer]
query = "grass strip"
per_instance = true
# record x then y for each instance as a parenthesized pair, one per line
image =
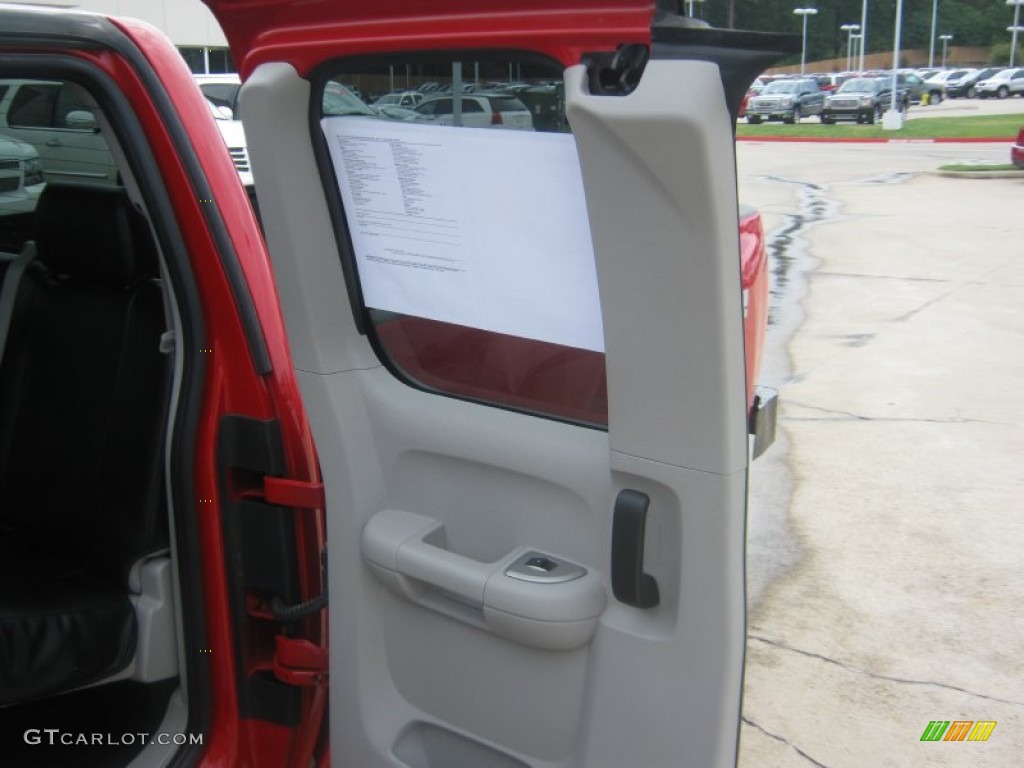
(981, 127)
(968, 168)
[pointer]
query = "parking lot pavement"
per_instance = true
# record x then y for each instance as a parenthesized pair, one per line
(886, 529)
(969, 108)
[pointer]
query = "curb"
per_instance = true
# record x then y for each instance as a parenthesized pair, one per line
(979, 174)
(873, 140)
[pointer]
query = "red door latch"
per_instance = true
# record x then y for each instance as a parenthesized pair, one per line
(300, 494)
(299, 662)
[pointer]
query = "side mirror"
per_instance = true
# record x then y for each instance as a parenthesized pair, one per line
(81, 119)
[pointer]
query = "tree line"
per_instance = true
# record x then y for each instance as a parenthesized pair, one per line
(971, 22)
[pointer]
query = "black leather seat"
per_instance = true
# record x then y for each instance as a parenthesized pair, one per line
(83, 399)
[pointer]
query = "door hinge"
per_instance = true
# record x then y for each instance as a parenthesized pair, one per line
(299, 494)
(299, 662)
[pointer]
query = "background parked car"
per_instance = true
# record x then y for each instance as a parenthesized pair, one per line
(407, 99)
(863, 100)
(546, 102)
(392, 112)
(941, 78)
(830, 81)
(222, 90)
(21, 176)
(951, 76)
(1003, 83)
(917, 88)
(479, 111)
(966, 85)
(755, 88)
(233, 133)
(222, 93)
(21, 181)
(55, 118)
(786, 100)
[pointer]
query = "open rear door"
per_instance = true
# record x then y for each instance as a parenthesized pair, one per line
(535, 473)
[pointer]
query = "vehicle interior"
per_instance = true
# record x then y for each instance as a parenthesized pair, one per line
(88, 624)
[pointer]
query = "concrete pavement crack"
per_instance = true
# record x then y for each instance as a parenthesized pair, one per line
(955, 289)
(849, 416)
(900, 278)
(785, 741)
(876, 676)
(887, 178)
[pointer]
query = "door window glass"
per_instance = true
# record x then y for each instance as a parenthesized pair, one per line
(472, 246)
(67, 102)
(58, 125)
(223, 95)
(33, 106)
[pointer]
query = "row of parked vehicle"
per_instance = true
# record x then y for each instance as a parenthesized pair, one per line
(971, 83)
(864, 97)
(861, 99)
(518, 105)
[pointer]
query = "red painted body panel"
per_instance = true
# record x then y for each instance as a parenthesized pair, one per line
(233, 386)
(755, 278)
(307, 34)
(1017, 150)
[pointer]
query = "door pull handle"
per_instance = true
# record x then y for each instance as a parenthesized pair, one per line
(630, 584)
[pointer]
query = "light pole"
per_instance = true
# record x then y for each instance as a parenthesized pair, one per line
(849, 29)
(863, 33)
(893, 119)
(931, 40)
(945, 41)
(1013, 40)
(1015, 28)
(858, 49)
(805, 12)
(689, 4)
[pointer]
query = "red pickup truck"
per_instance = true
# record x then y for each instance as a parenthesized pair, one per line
(526, 503)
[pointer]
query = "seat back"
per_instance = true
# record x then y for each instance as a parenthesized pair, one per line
(83, 386)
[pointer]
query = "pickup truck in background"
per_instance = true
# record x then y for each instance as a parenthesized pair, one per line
(863, 100)
(787, 100)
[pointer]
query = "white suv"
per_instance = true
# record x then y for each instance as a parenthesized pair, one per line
(479, 110)
(222, 93)
(1002, 84)
(57, 119)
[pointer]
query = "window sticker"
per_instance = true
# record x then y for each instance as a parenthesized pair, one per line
(476, 227)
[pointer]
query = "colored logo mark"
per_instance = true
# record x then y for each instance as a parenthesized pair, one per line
(958, 730)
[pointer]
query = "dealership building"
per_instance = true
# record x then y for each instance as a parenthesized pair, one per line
(188, 23)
